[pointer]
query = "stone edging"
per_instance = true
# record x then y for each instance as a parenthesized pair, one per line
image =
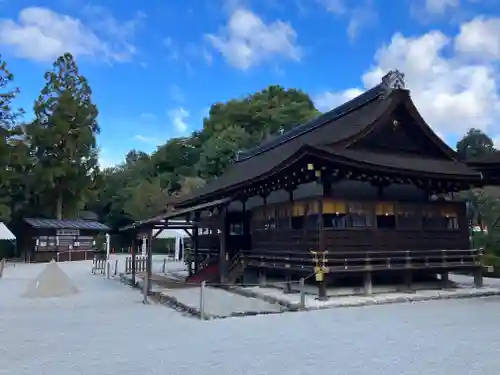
(476, 293)
(288, 306)
(175, 304)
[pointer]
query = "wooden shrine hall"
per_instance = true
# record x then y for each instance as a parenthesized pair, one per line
(364, 190)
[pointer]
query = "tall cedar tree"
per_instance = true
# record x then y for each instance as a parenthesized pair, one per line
(64, 137)
(8, 130)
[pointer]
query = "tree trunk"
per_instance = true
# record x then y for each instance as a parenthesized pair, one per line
(59, 207)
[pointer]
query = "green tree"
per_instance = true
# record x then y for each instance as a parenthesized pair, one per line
(63, 138)
(475, 144)
(10, 137)
(220, 149)
(144, 185)
(265, 112)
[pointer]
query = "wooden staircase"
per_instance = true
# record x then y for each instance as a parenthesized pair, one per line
(236, 268)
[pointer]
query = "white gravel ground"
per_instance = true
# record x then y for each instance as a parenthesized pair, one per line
(106, 330)
(221, 303)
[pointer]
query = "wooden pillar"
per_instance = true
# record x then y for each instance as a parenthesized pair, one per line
(478, 277)
(445, 280)
(149, 264)
(245, 238)
(290, 198)
(368, 286)
(223, 241)
(132, 257)
(196, 242)
(326, 184)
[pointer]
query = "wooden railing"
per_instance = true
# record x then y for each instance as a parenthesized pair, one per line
(237, 266)
(140, 264)
(367, 260)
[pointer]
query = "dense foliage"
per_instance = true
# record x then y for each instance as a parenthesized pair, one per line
(51, 170)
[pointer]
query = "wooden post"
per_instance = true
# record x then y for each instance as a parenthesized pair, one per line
(302, 293)
(2, 267)
(368, 286)
(222, 250)
(132, 260)
(202, 300)
(149, 260)
(116, 267)
(444, 279)
(288, 283)
(164, 269)
(196, 242)
(478, 277)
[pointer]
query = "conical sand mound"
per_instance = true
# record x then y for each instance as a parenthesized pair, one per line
(51, 282)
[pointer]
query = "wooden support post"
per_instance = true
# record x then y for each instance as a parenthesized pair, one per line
(132, 260)
(223, 240)
(322, 294)
(368, 286)
(262, 278)
(2, 267)
(196, 242)
(478, 277)
(149, 261)
(445, 280)
(408, 279)
(202, 300)
(288, 283)
(302, 293)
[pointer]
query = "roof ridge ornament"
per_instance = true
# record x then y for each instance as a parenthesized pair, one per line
(394, 80)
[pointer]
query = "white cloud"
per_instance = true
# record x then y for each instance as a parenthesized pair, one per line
(496, 142)
(360, 14)
(147, 139)
(480, 38)
(248, 41)
(176, 93)
(328, 100)
(451, 92)
(334, 6)
(42, 34)
(106, 160)
(440, 6)
(178, 117)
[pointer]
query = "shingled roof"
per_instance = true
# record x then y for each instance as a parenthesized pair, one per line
(42, 223)
(336, 128)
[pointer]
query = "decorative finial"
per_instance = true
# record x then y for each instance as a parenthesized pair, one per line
(237, 155)
(394, 80)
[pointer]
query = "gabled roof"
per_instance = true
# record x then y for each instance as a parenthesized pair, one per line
(334, 132)
(40, 223)
(5, 233)
(424, 166)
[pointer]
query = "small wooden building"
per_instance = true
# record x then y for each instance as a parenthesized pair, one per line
(365, 189)
(62, 240)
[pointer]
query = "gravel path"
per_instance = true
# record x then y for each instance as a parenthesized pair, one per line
(221, 303)
(106, 330)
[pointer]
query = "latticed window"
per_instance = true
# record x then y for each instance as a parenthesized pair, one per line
(408, 216)
(334, 214)
(283, 215)
(359, 215)
(449, 217)
(385, 215)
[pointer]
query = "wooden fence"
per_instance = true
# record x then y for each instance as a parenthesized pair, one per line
(140, 264)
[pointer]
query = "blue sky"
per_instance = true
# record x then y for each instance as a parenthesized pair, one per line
(155, 67)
